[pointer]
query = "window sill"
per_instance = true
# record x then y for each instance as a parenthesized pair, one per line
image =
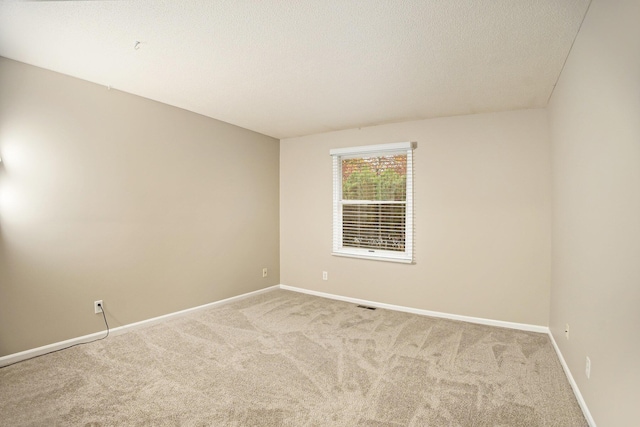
(377, 257)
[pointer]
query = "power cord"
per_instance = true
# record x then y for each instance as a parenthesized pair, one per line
(73, 345)
(105, 322)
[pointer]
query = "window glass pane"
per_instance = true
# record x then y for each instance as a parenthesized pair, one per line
(374, 226)
(375, 178)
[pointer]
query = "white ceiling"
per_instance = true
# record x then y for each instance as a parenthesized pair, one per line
(287, 68)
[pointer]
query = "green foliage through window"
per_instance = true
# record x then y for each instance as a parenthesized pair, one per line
(375, 178)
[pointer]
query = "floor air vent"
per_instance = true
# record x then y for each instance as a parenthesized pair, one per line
(367, 307)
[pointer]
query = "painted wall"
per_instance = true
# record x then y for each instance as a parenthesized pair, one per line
(105, 195)
(595, 130)
(482, 203)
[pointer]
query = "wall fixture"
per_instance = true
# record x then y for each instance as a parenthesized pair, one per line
(136, 46)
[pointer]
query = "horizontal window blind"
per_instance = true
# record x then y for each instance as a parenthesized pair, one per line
(374, 226)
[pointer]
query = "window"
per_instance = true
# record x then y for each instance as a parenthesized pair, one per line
(373, 202)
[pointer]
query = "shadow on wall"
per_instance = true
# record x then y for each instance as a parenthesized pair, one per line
(4, 264)
(2, 185)
(7, 266)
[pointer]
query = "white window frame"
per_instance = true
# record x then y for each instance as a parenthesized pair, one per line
(407, 256)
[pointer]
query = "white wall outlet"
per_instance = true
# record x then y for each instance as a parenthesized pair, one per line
(264, 272)
(587, 369)
(325, 275)
(566, 331)
(97, 306)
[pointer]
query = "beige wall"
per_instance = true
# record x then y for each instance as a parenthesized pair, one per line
(105, 195)
(595, 131)
(482, 194)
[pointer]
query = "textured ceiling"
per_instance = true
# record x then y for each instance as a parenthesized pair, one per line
(297, 67)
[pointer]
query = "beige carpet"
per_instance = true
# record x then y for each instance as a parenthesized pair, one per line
(288, 359)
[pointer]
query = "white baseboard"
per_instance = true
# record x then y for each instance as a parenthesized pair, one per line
(39, 351)
(479, 320)
(574, 385)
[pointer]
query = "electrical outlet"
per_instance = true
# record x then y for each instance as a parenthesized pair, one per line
(566, 331)
(264, 272)
(97, 306)
(587, 369)
(325, 275)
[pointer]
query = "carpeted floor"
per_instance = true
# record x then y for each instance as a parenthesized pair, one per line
(287, 359)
